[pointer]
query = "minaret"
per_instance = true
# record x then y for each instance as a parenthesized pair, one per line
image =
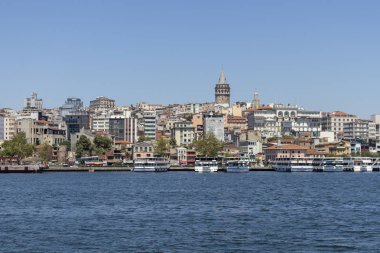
(222, 90)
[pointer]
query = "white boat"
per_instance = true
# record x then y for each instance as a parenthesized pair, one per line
(237, 166)
(358, 162)
(366, 165)
(206, 165)
(348, 164)
(155, 164)
(332, 165)
(293, 164)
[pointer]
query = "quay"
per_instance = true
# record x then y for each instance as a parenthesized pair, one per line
(21, 169)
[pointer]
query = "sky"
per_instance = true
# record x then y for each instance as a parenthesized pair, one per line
(323, 55)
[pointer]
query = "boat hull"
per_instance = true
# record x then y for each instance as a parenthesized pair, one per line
(206, 169)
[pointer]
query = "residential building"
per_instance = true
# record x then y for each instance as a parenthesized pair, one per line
(359, 130)
(33, 103)
(250, 148)
(123, 128)
(183, 133)
(149, 122)
(76, 122)
(143, 150)
(102, 103)
(71, 106)
(335, 121)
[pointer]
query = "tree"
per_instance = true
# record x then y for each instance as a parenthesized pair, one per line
(173, 142)
(84, 146)
(161, 147)
(17, 147)
(102, 142)
(66, 143)
(143, 138)
(208, 146)
(45, 153)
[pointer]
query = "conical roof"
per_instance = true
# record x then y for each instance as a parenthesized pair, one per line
(222, 78)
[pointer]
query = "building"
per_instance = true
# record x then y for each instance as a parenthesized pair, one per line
(149, 122)
(222, 91)
(279, 119)
(38, 132)
(76, 122)
(71, 106)
(214, 123)
(123, 129)
(102, 103)
(250, 148)
(183, 133)
(236, 122)
(143, 150)
(359, 130)
(33, 103)
(185, 156)
(376, 119)
(256, 101)
(284, 151)
(334, 122)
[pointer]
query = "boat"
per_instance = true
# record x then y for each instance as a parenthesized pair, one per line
(292, 164)
(348, 164)
(376, 165)
(154, 164)
(357, 164)
(206, 165)
(332, 165)
(366, 165)
(237, 166)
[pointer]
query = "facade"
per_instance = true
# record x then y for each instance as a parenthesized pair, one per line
(33, 103)
(149, 122)
(183, 133)
(222, 91)
(250, 148)
(38, 132)
(284, 151)
(75, 123)
(359, 130)
(102, 103)
(71, 106)
(236, 122)
(278, 119)
(376, 120)
(334, 122)
(143, 150)
(123, 129)
(214, 123)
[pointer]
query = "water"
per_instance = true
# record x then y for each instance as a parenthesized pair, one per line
(189, 212)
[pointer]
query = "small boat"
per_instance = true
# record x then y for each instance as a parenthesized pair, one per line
(154, 164)
(238, 166)
(206, 165)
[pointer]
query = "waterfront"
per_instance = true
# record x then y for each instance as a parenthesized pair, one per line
(189, 212)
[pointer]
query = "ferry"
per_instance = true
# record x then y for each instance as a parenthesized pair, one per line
(206, 165)
(332, 165)
(293, 164)
(366, 165)
(154, 164)
(237, 166)
(348, 164)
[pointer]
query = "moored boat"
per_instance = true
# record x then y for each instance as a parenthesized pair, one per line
(154, 164)
(292, 164)
(206, 165)
(237, 166)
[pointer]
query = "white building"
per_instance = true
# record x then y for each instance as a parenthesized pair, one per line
(149, 122)
(33, 103)
(183, 133)
(334, 122)
(214, 123)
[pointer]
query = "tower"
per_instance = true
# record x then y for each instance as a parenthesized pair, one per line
(256, 101)
(222, 90)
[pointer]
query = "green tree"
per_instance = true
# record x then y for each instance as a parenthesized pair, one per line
(143, 138)
(17, 147)
(45, 153)
(66, 143)
(84, 146)
(208, 146)
(173, 142)
(161, 147)
(102, 142)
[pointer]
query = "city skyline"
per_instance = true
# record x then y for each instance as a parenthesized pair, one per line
(322, 56)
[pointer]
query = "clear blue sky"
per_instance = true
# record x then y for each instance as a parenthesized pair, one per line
(324, 55)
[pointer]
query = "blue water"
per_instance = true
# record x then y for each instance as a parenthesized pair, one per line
(189, 212)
